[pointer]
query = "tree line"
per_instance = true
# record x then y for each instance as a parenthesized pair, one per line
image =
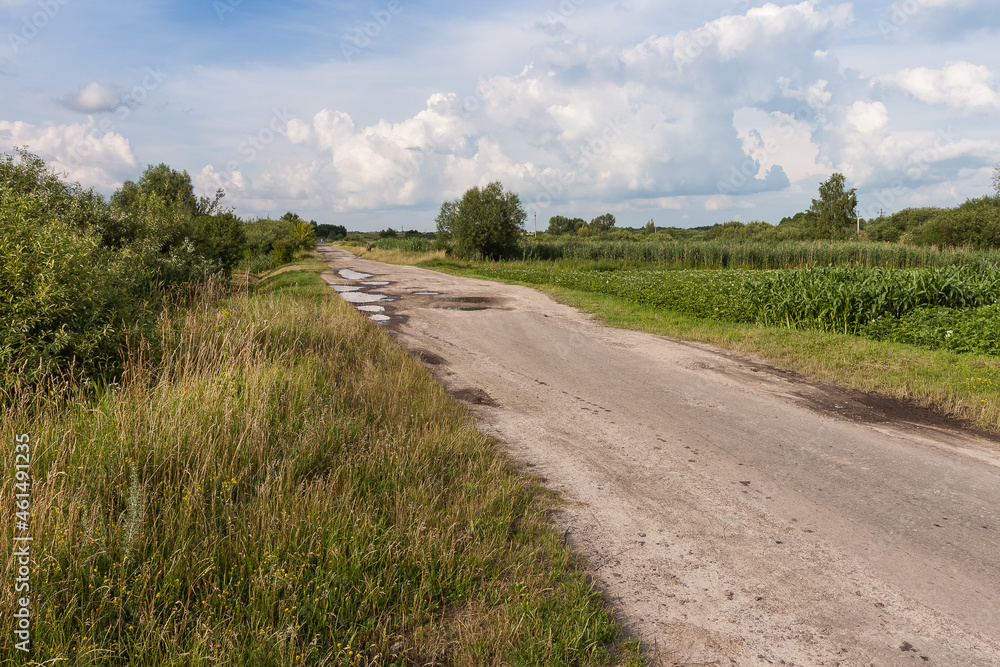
(489, 222)
(81, 275)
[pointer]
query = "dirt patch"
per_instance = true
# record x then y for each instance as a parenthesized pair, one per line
(427, 357)
(474, 396)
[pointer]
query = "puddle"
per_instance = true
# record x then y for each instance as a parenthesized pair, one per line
(349, 274)
(346, 288)
(375, 283)
(372, 309)
(427, 293)
(380, 319)
(362, 297)
(468, 299)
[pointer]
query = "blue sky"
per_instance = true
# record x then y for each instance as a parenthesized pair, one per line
(371, 114)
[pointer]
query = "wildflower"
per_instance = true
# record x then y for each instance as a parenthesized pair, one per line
(948, 333)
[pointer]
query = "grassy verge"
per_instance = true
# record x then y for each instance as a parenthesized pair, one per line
(286, 487)
(963, 386)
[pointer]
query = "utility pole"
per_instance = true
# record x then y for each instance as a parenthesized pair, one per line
(536, 224)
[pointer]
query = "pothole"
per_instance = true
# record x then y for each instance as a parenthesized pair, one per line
(467, 303)
(375, 283)
(362, 297)
(346, 288)
(467, 299)
(350, 274)
(372, 309)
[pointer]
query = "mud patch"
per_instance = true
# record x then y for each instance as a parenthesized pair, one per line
(475, 397)
(467, 303)
(467, 299)
(428, 357)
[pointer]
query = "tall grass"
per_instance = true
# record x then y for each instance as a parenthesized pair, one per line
(283, 486)
(756, 254)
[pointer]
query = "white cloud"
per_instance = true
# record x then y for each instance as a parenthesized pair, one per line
(94, 98)
(78, 150)
(960, 85)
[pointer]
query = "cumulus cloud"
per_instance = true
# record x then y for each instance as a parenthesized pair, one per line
(93, 98)
(747, 104)
(79, 150)
(960, 85)
(651, 121)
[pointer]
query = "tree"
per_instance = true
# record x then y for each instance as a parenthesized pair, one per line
(602, 223)
(560, 224)
(488, 222)
(835, 212)
(445, 219)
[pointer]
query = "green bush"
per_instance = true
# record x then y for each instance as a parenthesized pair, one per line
(892, 228)
(66, 302)
(974, 224)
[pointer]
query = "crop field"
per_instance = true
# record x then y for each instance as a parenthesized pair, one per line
(755, 254)
(953, 307)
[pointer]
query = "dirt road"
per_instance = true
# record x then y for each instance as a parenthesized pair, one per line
(733, 514)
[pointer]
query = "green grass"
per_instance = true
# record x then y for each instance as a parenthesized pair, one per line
(964, 386)
(284, 486)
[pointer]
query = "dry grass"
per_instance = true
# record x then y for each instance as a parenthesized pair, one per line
(392, 256)
(284, 486)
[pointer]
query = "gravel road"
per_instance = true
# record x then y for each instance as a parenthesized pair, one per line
(733, 513)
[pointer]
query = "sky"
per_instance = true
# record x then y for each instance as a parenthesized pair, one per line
(372, 114)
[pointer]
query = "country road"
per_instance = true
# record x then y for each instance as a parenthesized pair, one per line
(733, 513)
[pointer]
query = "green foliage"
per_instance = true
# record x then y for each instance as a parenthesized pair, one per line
(842, 299)
(974, 224)
(411, 244)
(559, 224)
(331, 232)
(661, 249)
(735, 230)
(81, 275)
(602, 223)
(488, 223)
(834, 214)
(272, 243)
(445, 221)
(972, 330)
(66, 302)
(892, 228)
